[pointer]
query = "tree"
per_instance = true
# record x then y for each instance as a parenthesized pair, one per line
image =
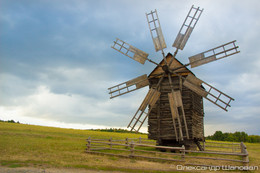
(218, 135)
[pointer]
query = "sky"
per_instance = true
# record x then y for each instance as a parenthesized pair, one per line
(56, 61)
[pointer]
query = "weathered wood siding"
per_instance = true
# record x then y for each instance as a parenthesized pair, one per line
(160, 123)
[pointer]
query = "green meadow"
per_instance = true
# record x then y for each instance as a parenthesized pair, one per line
(48, 147)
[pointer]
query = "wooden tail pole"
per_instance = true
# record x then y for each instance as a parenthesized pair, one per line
(177, 110)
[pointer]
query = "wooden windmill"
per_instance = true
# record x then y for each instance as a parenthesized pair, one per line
(174, 102)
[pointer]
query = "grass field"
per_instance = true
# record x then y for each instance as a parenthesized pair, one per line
(47, 147)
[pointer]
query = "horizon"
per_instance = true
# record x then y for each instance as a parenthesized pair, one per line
(146, 133)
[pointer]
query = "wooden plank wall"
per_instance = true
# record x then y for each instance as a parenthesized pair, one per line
(160, 124)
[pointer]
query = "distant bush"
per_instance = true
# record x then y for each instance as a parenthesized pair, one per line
(234, 137)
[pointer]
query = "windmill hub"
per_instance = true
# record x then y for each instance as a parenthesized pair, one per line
(166, 69)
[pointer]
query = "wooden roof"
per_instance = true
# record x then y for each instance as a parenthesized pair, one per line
(175, 64)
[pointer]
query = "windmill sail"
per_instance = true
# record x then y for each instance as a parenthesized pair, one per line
(187, 27)
(156, 31)
(210, 93)
(150, 100)
(214, 54)
(130, 51)
(128, 86)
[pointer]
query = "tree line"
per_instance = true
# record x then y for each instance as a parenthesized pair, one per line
(10, 121)
(234, 137)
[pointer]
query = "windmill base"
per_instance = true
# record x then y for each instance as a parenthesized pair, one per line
(189, 144)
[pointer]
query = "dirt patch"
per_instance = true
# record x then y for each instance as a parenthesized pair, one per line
(46, 170)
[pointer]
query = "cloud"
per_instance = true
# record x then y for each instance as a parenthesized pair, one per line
(56, 62)
(69, 96)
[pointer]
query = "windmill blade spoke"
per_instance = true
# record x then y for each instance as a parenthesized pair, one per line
(210, 93)
(150, 100)
(214, 54)
(187, 27)
(156, 31)
(130, 51)
(128, 86)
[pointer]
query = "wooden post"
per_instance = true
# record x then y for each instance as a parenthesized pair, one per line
(88, 143)
(183, 152)
(110, 141)
(140, 140)
(242, 147)
(245, 157)
(127, 143)
(132, 149)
